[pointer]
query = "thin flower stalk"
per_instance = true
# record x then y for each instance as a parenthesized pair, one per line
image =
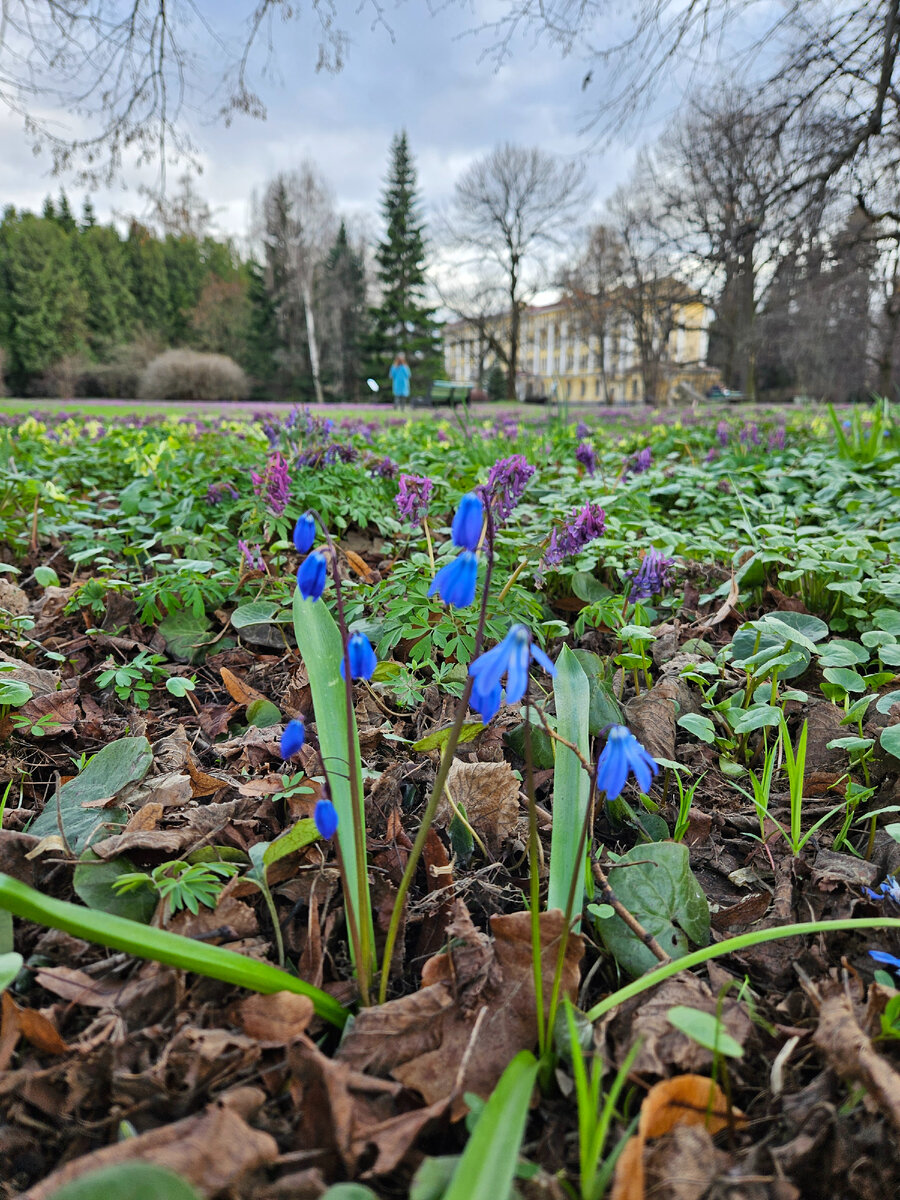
(440, 781)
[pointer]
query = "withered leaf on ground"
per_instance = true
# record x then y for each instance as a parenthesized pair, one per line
(422, 1040)
(684, 1100)
(27, 1023)
(277, 1019)
(213, 1150)
(489, 794)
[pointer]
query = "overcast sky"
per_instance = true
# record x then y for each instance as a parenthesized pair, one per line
(426, 73)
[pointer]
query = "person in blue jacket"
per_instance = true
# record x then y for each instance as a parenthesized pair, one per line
(400, 376)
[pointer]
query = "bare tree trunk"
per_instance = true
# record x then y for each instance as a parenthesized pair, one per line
(311, 339)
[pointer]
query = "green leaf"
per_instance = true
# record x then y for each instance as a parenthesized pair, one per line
(263, 713)
(438, 737)
(14, 693)
(46, 577)
(800, 628)
(184, 634)
(701, 727)
(890, 740)
(587, 588)
(128, 1181)
(349, 1191)
(433, 1177)
(159, 945)
(178, 686)
(887, 619)
(93, 883)
(656, 884)
(488, 1164)
(746, 652)
(757, 717)
(705, 1029)
(10, 966)
(604, 707)
(259, 612)
(571, 783)
(124, 761)
(893, 830)
(890, 655)
(300, 835)
(842, 677)
(542, 752)
(321, 648)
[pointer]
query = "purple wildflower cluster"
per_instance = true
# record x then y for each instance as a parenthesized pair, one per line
(217, 492)
(651, 578)
(507, 480)
(274, 485)
(582, 527)
(777, 438)
(582, 431)
(638, 463)
(252, 558)
(413, 497)
(750, 435)
(587, 457)
(384, 468)
(723, 433)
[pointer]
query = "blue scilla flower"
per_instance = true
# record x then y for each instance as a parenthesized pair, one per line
(511, 658)
(485, 705)
(362, 657)
(889, 889)
(305, 533)
(622, 756)
(455, 583)
(467, 522)
(292, 739)
(326, 819)
(311, 575)
(889, 960)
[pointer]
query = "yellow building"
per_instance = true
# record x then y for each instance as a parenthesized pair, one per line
(560, 356)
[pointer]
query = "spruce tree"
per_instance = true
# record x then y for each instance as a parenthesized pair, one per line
(403, 321)
(343, 306)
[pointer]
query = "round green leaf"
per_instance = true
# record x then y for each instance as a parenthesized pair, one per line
(14, 693)
(890, 740)
(700, 726)
(10, 966)
(128, 1181)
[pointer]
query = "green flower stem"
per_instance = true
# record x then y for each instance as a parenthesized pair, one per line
(534, 882)
(441, 778)
(160, 945)
(730, 946)
(427, 533)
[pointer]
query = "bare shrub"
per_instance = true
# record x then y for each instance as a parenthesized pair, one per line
(187, 375)
(119, 378)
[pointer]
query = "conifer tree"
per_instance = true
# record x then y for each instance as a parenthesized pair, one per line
(344, 305)
(403, 320)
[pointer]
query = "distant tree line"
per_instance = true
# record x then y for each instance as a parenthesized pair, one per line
(85, 307)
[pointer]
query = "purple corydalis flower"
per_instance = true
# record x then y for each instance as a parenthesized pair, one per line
(638, 463)
(652, 577)
(749, 435)
(253, 558)
(582, 430)
(216, 492)
(274, 485)
(777, 438)
(384, 468)
(582, 527)
(413, 497)
(506, 482)
(723, 433)
(586, 456)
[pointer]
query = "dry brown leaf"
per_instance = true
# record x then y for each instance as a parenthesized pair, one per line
(213, 1150)
(684, 1100)
(61, 707)
(422, 1040)
(239, 691)
(851, 1054)
(726, 609)
(277, 1019)
(359, 565)
(489, 793)
(168, 841)
(29, 1024)
(665, 1050)
(684, 1164)
(350, 1114)
(147, 817)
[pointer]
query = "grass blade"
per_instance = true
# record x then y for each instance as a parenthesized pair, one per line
(571, 783)
(488, 1163)
(160, 945)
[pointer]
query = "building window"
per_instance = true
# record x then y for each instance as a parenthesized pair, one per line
(596, 392)
(583, 388)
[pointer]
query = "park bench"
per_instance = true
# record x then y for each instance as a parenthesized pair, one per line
(444, 391)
